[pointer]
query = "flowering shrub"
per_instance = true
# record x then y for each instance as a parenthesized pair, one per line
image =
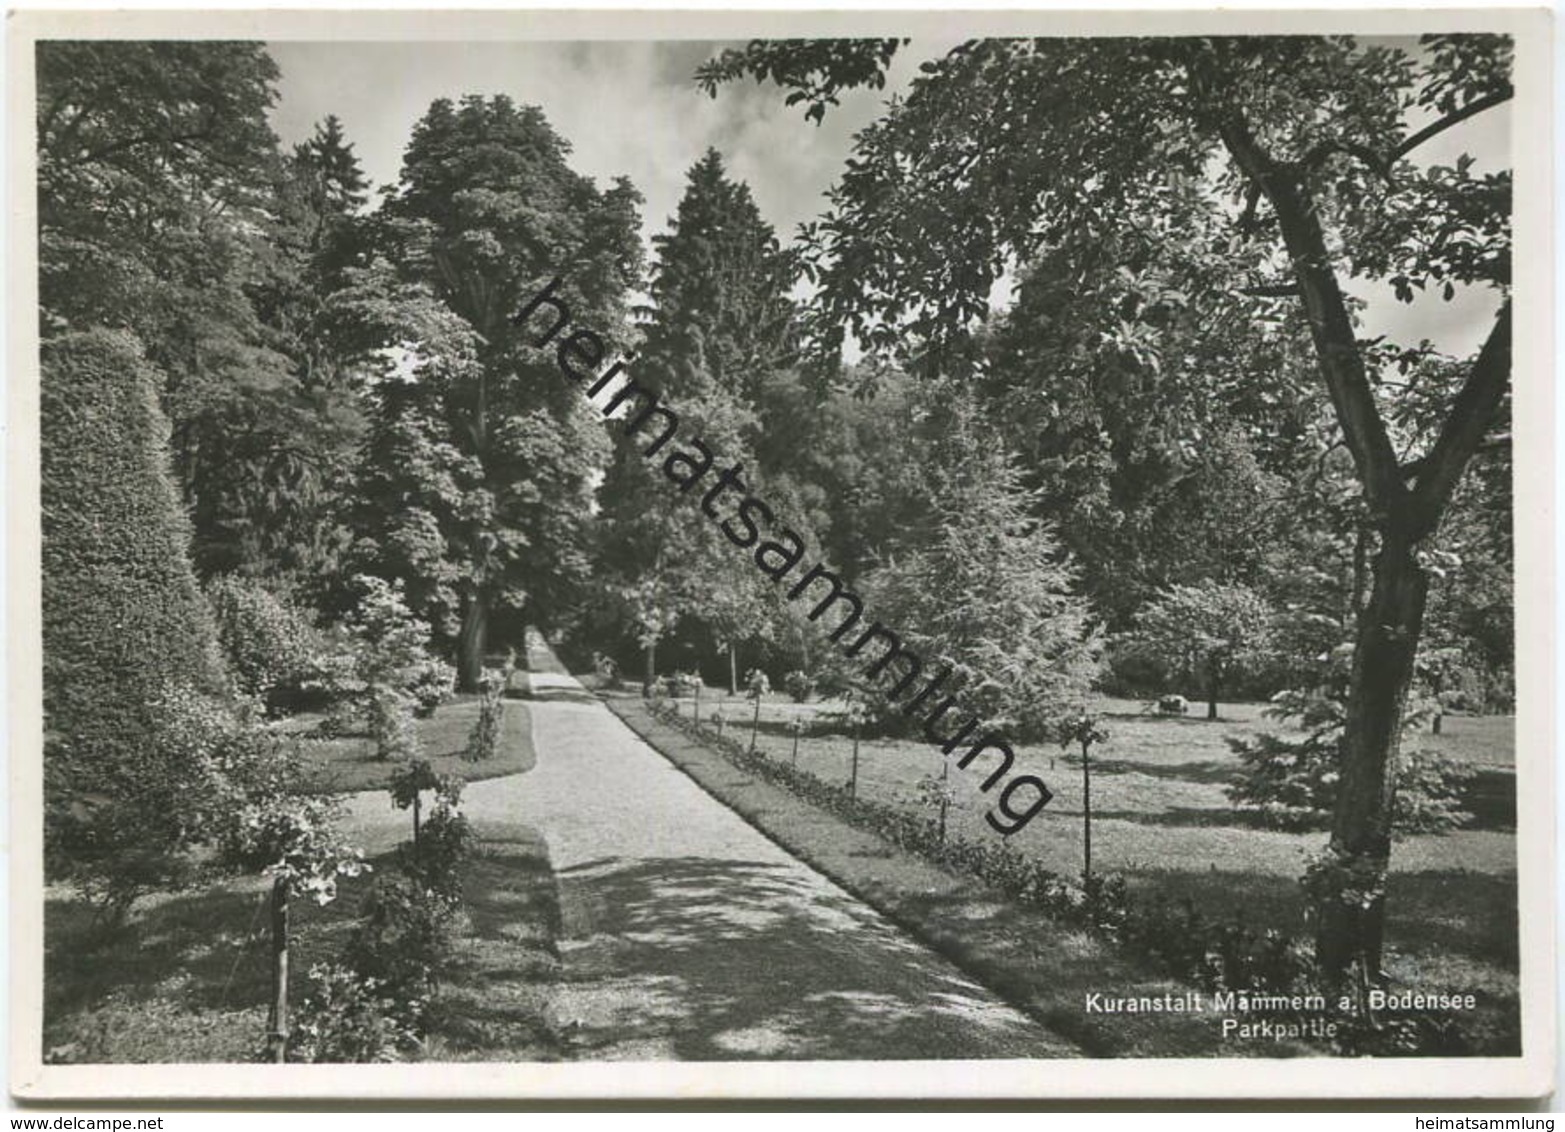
(411, 781)
(756, 684)
(292, 839)
(409, 920)
(403, 939)
(436, 860)
(608, 671)
(348, 1017)
(933, 792)
(232, 774)
(1081, 729)
(250, 810)
(430, 683)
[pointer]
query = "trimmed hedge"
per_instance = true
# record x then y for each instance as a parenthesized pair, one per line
(123, 618)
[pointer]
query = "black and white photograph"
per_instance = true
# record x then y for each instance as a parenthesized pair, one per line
(732, 554)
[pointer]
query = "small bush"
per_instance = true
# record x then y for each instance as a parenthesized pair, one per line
(1429, 792)
(684, 683)
(408, 786)
(391, 724)
(269, 643)
(1293, 782)
(443, 847)
(403, 938)
(407, 927)
(799, 685)
(348, 1017)
(379, 645)
(430, 684)
(608, 671)
(485, 737)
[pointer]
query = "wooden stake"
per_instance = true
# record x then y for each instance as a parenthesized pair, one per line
(1086, 814)
(853, 780)
(277, 1024)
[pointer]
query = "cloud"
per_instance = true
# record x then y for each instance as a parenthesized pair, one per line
(633, 109)
(628, 109)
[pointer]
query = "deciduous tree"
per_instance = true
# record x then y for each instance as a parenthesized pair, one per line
(1003, 148)
(486, 212)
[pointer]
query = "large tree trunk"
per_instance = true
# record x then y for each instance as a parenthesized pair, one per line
(733, 669)
(1349, 888)
(1213, 685)
(472, 640)
(649, 677)
(1406, 503)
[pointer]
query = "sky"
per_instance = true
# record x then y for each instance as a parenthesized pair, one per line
(632, 109)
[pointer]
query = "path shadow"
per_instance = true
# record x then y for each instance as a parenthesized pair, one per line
(209, 939)
(702, 959)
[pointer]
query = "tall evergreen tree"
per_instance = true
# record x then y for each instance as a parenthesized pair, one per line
(269, 500)
(985, 589)
(719, 322)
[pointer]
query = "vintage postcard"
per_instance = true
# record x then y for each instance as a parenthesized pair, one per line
(731, 554)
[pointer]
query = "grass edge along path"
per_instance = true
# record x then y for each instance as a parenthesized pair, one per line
(496, 1001)
(347, 764)
(1034, 963)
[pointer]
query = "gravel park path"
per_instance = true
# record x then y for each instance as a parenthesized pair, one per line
(688, 935)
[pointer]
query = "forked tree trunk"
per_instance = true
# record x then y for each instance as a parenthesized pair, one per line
(1407, 502)
(1350, 892)
(472, 640)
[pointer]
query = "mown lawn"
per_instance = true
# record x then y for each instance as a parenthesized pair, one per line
(1160, 817)
(347, 763)
(187, 978)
